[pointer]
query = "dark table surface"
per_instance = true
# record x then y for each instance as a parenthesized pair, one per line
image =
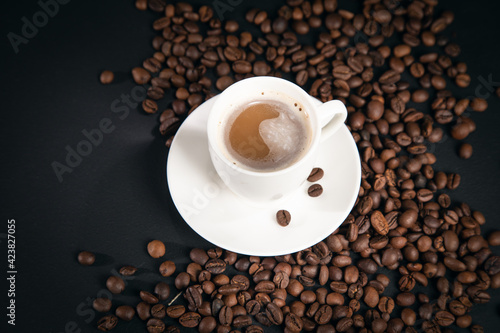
(116, 199)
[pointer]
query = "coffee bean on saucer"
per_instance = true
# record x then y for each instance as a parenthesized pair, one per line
(315, 190)
(156, 249)
(107, 77)
(86, 258)
(316, 174)
(283, 217)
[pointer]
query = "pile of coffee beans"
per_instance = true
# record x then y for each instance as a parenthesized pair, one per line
(392, 65)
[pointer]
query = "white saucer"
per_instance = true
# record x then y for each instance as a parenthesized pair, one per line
(224, 219)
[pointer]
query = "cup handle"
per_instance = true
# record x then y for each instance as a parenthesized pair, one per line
(332, 115)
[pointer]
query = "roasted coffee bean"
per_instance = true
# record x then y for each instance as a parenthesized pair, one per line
(158, 311)
(115, 284)
(140, 75)
(199, 256)
(152, 65)
(293, 322)
(175, 311)
(494, 238)
(149, 106)
(143, 310)
(125, 312)
(274, 314)
(315, 190)
(162, 290)
(155, 325)
(102, 304)
(128, 270)
(444, 318)
(465, 151)
(156, 249)
(283, 217)
(106, 77)
(167, 268)
(86, 258)
(107, 323)
(226, 315)
(215, 266)
(148, 297)
(379, 223)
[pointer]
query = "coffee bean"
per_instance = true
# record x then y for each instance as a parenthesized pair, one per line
(155, 325)
(115, 284)
(86, 258)
(107, 323)
(149, 106)
(143, 310)
(125, 312)
(223, 82)
(283, 217)
(158, 311)
(379, 223)
(140, 75)
(128, 270)
(274, 314)
(465, 151)
(215, 266)
(156, 249)
(175, 311)
(315, 190)
(389, 77)
(107, 77)
(141, 4)
(102, 304)
(199, 256)
(148, 297)
(167, 268)
(494, 238)
(444, 318)
(293, 322)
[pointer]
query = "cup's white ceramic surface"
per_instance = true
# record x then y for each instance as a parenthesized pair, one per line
(261, 187)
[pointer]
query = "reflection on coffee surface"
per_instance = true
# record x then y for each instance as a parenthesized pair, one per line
(267, 135)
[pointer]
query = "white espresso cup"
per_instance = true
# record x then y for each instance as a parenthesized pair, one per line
(263, 187)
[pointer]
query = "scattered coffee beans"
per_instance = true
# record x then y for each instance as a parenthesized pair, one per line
(404, 220)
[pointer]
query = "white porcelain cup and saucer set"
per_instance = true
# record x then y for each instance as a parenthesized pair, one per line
(233, 206)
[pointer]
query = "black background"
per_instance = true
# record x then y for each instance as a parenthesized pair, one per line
(117, 199)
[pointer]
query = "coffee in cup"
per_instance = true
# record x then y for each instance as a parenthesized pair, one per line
(266, 135)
